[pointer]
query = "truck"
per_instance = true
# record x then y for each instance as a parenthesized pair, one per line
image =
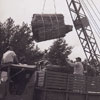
(25, 82)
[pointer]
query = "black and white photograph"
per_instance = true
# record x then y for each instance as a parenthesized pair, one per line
(49, 49)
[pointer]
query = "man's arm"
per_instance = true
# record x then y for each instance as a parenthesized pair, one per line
(70, 63)
(16, 60)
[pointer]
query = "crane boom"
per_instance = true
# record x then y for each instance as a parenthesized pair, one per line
(84, 30)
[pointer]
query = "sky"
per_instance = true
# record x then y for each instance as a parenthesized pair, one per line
(23, 10)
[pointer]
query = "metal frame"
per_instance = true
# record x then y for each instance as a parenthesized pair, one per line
(84, 31)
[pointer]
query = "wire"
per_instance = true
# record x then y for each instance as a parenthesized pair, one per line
(95, 6)
(95, 30)
(93, 10)
(91, 17)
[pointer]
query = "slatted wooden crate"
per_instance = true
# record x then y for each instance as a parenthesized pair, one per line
(49, 26)
(50, 94)
(61, 86)
(93, 84)
(76, 83)
(40, 78)
(54, 80)
(73, 83)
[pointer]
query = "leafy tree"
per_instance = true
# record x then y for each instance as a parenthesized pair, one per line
(5, 34)
(59, 51)
(92, 68)
(20, 38)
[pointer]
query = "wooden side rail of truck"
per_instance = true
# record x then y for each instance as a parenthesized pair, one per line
(25, 83)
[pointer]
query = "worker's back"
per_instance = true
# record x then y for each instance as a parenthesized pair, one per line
(8, 57)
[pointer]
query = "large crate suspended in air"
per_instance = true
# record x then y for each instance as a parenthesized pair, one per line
(49, 26)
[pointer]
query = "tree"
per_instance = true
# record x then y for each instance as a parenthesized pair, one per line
(6, 30)
(59, 51)
(20, 38)
(92, 67)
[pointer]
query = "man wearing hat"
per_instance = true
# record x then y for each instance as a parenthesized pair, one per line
(78, 66)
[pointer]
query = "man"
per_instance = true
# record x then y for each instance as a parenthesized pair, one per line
(78, 71)
(9, 57)
(78, 66)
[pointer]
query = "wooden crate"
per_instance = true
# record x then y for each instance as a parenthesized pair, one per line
(93, 97)
(76, 96)
(50, 94)
(49, 26)
(61, 86)
(50, 79)
(93, 84)
(76, 83)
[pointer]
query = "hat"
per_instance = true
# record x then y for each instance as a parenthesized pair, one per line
(78, 58)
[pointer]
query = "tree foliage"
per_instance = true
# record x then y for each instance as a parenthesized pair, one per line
(59, 51)
(20, 38)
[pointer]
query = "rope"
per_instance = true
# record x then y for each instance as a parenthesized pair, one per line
(54, 6)
(51, 22)
(58, 25)
(57, 19)
(43, 6)
(43, 25)
(50, 19)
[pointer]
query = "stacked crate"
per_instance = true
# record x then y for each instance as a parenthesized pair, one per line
(93, 84)
(76, 83)
(61, 86)
(49, 26)
(52, 80)
(51, 85)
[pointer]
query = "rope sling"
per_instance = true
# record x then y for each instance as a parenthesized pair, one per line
(49, 26)
(50, 19)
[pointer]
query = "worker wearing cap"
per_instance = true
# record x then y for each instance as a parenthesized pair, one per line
(78, 66)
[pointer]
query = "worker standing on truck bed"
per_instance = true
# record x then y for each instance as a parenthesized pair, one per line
(78, 66)
(9, 57)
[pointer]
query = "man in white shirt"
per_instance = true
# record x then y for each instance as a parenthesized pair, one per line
(78, 66)
(9, 56)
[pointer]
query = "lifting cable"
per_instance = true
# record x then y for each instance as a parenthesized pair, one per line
(95, 21)
(45, 4)
(94, 13)
(50, 18)
(90, 15)
(57, 19)
(93, 10)
(95, 6)
(43, 19)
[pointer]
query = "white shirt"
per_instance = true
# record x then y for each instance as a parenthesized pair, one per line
(78, 67)
(8, 56)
